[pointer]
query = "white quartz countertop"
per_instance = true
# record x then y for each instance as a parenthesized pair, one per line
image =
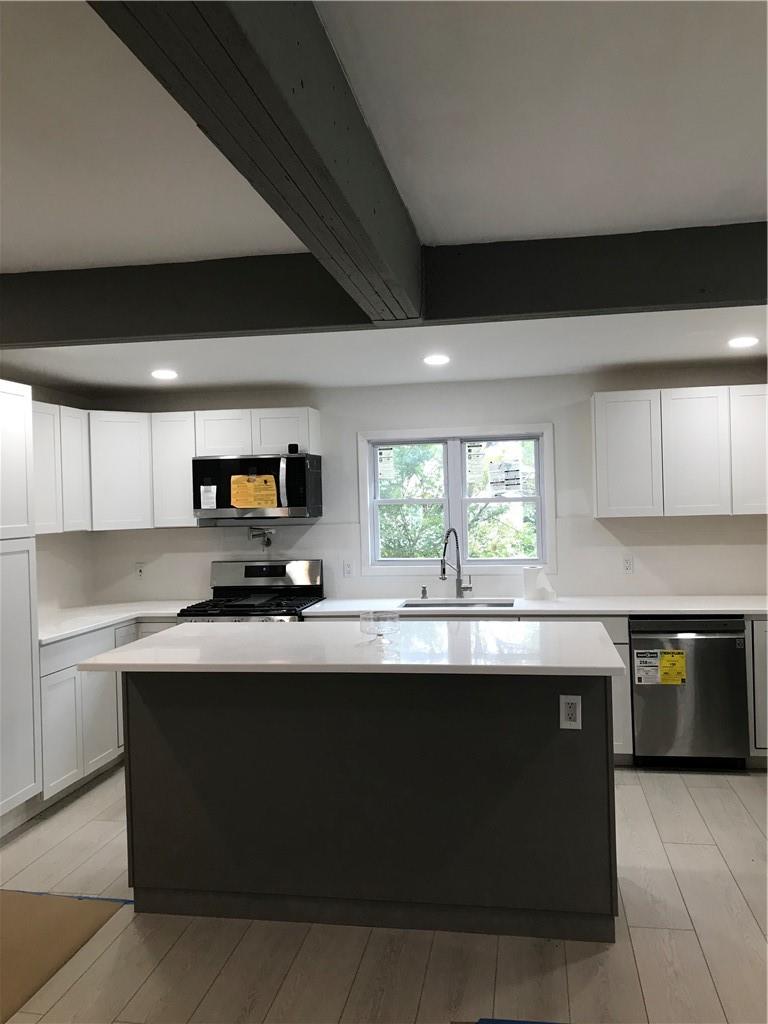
(750, 604)
(495, 647)
(64, 623)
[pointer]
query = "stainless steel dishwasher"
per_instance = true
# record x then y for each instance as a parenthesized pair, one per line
(689, 687)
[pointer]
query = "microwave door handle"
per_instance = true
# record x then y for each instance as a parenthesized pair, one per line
(283, 482)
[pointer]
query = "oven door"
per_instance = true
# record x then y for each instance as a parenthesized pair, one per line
(229, 490)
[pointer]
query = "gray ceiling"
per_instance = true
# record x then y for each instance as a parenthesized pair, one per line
(100, 166)
(528, 120)
(497, 120)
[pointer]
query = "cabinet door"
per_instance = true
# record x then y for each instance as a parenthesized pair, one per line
(760, 683)
(627, 447)
(749, 451)
(275, 429)
(621, 696)
(75, 469)
(99, 718)
(223, 432)
(46, 450)
(16, 502)
(696, 450)
(123, 635)
(62, 741)
(20, 751)
(121, 470)
(173, 448)
(150, 628)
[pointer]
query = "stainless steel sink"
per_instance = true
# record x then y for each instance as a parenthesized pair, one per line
(459, 602)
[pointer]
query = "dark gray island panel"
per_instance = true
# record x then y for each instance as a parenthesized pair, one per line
(414, 800)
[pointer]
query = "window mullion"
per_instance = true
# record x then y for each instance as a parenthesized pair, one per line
(455, 489)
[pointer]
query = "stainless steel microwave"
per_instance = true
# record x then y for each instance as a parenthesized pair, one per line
(241, 490)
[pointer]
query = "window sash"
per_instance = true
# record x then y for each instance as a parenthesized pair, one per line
(455, 499)
(374, 457)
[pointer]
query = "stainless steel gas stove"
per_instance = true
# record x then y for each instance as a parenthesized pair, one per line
(274, 591)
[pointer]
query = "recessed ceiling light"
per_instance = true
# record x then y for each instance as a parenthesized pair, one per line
(437, 360)
(164, 374)
(746, 342)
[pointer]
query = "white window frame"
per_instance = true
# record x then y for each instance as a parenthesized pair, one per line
(455, 496)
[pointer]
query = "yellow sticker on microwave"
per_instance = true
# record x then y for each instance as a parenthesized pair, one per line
(253, 491)
(672, 667)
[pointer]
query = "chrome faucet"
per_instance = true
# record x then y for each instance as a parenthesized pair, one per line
(461, 587)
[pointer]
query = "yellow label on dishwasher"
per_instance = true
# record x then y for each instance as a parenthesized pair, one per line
(672, 667)
(253, 491)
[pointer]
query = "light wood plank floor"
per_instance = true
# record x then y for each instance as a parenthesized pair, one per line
(690, 942)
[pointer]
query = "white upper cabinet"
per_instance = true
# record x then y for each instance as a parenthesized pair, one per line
(46, 433)
(16, 502)
(223, 432)
(275, 429)
(257, 431)
(627, 453)
(696, 451)
(75, 469)
(173, 448)
(749, 428)
(121, 470)
(20, 745)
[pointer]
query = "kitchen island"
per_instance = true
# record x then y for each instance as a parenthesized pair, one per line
(302, 771)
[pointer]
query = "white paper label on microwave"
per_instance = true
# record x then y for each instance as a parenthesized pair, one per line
(386, 463)
(208, 496)
(647, 667)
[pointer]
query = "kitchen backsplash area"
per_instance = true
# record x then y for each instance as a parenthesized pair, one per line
(685, 555)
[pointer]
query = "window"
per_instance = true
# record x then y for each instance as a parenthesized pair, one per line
(490, 486)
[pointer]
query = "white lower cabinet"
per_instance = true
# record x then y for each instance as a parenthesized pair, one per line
(99, 703)
(80, 710)
(80, 726)
(149, 628)
(62, 737)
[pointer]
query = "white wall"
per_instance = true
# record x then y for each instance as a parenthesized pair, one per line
(684, 556)
(64, 571)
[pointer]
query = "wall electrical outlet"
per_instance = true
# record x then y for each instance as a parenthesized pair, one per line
(140, 570)
(346, 567)
(570, 711)
(629, 564)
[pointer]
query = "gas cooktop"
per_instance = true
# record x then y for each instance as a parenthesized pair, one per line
(276, 591)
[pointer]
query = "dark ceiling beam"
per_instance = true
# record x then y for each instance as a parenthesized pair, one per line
(686, 268)
(691, 268)
(263, 83)
(248, 295)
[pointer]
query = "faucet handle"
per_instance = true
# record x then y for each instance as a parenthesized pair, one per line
(423, 593)
(468, 585)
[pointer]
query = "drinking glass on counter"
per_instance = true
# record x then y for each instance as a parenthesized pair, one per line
(380, 625)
